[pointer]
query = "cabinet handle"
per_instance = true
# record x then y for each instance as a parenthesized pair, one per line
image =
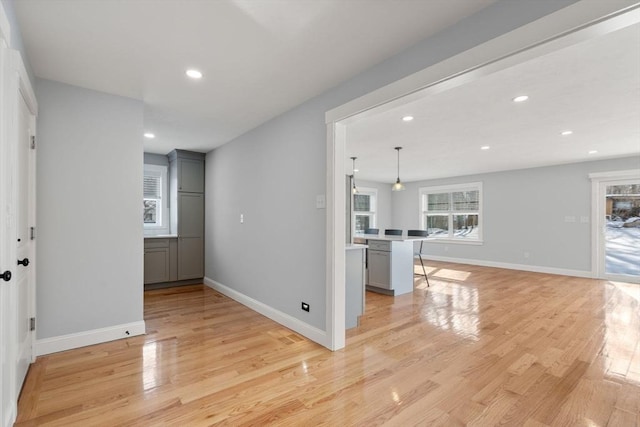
(24, 262)
(6, 276)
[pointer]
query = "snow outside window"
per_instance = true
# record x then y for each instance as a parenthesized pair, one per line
(155, 215)
(452, 212)
(364, 209)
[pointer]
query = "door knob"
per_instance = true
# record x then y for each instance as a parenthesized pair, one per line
(6, 276)
(24, 262)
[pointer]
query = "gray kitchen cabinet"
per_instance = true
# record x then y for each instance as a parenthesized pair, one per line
(380, 269)
(186, 188)
(186, 169)
(390, 265)
(160, 264)
(190, 235)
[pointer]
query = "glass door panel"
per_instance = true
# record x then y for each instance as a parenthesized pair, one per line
(622, 229)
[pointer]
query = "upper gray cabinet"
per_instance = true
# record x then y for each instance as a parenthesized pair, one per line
(186, 169)
(190, 176)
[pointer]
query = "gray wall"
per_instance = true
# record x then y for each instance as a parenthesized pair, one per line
(89, 192)
(524, 211)
(273, 173)
(156, 159)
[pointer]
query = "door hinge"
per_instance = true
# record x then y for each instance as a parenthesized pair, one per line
(32, 324)
(33, 233)
(33, 142)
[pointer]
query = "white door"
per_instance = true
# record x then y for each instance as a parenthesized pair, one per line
(25, 219)
(17, 214)
(7, 255)
(619, 211)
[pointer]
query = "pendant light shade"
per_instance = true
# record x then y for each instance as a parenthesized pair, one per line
(398, 186)
(354, 189)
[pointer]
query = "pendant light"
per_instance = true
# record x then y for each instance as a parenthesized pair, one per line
(398, 186)
(354, 189)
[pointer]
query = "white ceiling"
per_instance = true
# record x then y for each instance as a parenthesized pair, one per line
(259, 58)
(591, 88)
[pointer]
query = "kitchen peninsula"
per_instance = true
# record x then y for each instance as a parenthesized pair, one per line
(389, 262)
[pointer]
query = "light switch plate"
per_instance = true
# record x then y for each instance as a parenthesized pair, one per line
(321, 203)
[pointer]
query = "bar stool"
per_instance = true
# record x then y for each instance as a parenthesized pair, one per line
(420, 233)
(392, 232)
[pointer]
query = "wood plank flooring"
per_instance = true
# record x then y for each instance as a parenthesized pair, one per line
(480, 347)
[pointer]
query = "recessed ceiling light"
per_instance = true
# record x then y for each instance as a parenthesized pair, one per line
(520, 98)
(356, 170)
(194, 74)
(593, 151)
(485, 147)
(407, 118)
(566, 132)
(149, 135)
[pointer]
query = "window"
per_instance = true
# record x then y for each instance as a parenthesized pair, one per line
(452, 212)
(155, 209)
(364, 209)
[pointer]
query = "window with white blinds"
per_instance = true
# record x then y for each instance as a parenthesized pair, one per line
(364, 208)
(452, 212)
(154, 194)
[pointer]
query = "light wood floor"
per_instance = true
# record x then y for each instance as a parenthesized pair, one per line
(481, 346)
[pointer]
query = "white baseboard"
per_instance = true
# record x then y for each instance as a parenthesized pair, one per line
(94, 336)
(510, 266)
(10, 415)
(308, 331)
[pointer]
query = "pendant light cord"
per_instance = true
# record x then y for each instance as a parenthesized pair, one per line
(398, 150)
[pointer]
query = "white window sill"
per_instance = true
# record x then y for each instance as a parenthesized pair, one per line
(456, 242)
(151, 232)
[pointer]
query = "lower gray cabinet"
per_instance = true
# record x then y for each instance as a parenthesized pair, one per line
(190, 258)
(160, 263)
(190, 236)
(380, 269)
(390, 265)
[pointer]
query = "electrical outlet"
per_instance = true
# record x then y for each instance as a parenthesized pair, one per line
(305, 306)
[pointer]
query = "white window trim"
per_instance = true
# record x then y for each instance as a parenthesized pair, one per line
(373, 214)
(154, 230)
(473, 186)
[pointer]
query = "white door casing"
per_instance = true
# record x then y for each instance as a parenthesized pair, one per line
(580, 21)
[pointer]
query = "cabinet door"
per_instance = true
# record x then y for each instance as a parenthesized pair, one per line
(190, 258)
(190, 236)
(156, 265)
(380, 269)
(191, 175)
(190, 215)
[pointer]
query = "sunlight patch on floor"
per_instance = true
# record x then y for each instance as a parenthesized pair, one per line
(633, 290)
(457, 275)
(454, 308)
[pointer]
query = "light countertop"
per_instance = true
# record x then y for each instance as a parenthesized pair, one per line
(162, 236)
(390, 238)
(355, 246)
